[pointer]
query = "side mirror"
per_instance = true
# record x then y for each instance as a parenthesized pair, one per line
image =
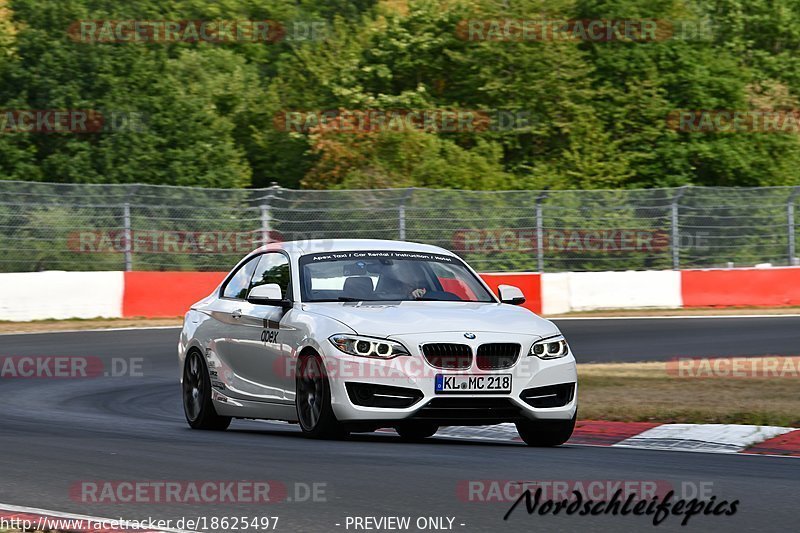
(510, 294)
(268, 294)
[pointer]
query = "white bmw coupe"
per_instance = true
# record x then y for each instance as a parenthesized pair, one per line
(353, 335)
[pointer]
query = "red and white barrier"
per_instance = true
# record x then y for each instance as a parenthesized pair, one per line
(165, 294)
(60, 295)
(530, 284)
(588, 291)
(751, 287)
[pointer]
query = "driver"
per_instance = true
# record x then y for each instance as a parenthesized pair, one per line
(395, 286)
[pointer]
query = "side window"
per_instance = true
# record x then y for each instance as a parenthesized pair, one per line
(273, 268)
(239, 283)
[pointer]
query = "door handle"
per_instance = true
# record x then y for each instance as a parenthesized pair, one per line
(237, 314)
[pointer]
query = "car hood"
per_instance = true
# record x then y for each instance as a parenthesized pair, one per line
(384, 319)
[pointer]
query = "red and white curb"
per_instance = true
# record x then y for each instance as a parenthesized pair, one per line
(710, 438)
(30, 518)
(719, 438)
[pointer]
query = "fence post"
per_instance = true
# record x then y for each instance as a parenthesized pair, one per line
(540, 232)
(266, 213)
(126, 225)
(790, 224)
(676, 232)
(401, 214)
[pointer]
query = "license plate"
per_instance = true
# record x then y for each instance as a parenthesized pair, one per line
(473, 383)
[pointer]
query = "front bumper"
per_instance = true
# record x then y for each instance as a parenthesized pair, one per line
(414, 373)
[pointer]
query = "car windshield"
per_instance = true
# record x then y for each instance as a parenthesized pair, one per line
(388, 276)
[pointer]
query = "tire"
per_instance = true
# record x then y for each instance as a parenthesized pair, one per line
(416, 431)
(313, 401)
(545, 433)
(197, 404)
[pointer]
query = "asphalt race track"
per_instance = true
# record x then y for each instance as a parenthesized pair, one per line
(57, 433)
(653, 339)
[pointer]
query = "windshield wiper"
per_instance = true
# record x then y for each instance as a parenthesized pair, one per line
(350, 299)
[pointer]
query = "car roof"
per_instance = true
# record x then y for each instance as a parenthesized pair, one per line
(350, 245)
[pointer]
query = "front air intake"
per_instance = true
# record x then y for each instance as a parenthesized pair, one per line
(385, 396)
(549, 396)
(470, 411)
(448, 356)
(497, 355)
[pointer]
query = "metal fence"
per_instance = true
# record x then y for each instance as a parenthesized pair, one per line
(45, 226)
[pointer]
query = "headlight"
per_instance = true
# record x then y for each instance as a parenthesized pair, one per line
(550, 348)
(368, 347)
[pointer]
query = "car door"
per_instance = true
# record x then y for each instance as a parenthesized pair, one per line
(232, 337)
(260, 354)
